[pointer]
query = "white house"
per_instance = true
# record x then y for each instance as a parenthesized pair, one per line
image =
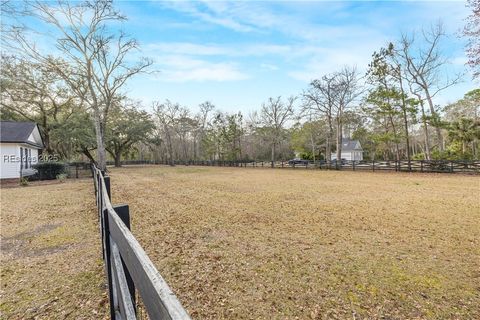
(20, 143)
(351, 150)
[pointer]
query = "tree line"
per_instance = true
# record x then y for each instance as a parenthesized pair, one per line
(77, 97)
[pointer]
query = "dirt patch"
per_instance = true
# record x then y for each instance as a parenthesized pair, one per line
(19, 244)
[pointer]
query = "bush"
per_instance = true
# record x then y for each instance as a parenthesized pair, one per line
(62, 177)
(49, 170)
(24, 182)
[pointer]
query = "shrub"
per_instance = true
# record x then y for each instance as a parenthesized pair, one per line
(49, 170)
(23, 182)
(62, 177)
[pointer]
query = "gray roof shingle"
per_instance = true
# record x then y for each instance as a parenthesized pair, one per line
(16, 131)
(349, 145)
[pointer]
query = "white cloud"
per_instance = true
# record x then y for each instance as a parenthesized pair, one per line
(214, 14)
(460, 61)
(185, 69)
(268, 66)
(185, 48)
(319, 61)
(195, 49)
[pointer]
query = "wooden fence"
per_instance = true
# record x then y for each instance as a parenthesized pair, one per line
(439, 166)
(127, 266)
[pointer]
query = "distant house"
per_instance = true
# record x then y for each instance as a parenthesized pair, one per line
(351, 150)
(20, 147)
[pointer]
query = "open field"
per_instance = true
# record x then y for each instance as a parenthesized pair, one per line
(256, 243)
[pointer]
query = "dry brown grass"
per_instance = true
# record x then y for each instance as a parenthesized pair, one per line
(51, 265)
(262, 243)
(257, 243)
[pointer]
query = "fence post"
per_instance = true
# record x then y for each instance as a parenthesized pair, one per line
(106, 178)
(123, 212)
(108, 262)
(353, 165)
(373, 165)
(421, 165)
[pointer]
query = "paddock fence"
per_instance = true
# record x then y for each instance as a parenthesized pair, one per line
(128, 268)
(436, 166)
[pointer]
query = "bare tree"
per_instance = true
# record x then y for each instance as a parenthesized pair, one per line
(274, 114)
(319, 99)
(423, 63)
(346, 91)
(201, 120)
(472, 32)
(184, 126)
(166, 115)
(95, 64)
(330, 97)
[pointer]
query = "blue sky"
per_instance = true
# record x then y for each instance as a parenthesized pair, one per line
(237, 54)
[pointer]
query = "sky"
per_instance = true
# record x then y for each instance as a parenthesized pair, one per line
(238, 54)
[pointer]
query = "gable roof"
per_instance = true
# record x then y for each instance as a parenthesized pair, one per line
(19, 132)
(351, 145)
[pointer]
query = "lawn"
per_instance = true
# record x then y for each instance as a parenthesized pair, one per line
(256, 243)
(51, 259)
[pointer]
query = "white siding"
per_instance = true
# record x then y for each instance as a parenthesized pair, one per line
(35, 136)
(10, 168)
(349, 155)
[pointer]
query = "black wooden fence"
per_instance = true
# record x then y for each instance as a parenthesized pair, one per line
(439, 166)
(127, 266)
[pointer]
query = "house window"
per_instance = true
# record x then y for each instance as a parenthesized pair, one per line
(30, 157)
(21, 158)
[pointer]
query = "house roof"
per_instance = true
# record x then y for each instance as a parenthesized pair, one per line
(19, 132)
(351, 145)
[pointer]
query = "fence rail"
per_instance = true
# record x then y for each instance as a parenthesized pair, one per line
(127, 266)
(439, 166)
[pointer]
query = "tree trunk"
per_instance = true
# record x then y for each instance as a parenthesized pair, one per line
(339, 141)
(273, 154)
(405, 123)
(435, 117)
(328, 150)
(195, 148)
(118, 162)
(101, 153)
(397, 148)
(169, 146)
(425, 130)
(87, 153)
(313, 147)
(328, 147)
(407, 138)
